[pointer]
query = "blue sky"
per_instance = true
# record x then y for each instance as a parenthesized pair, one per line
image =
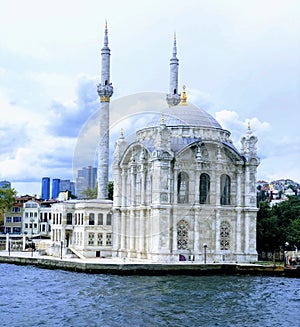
(238, 59)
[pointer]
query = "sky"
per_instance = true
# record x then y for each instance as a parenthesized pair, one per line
(239, 60)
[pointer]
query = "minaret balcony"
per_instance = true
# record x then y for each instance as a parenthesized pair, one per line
(105, 92)
(173, 99)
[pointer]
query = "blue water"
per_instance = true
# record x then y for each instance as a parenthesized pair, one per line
(31, 296)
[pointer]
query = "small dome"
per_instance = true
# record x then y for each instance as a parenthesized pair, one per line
(186, 115)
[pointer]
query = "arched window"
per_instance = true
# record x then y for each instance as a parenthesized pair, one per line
(108, 219)
(204, 188)
(69, 219)
(225, 235)
(183, 188)
(91, 219)
(182, 235)
(225, 190)
(100, 218)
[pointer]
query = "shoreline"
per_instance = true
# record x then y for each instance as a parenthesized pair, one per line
(139, 267)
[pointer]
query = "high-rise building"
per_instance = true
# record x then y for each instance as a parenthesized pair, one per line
(67, 185)
(86, 177)
(55, 187)
(46, 188)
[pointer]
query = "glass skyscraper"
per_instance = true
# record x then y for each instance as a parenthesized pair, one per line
(46, 188)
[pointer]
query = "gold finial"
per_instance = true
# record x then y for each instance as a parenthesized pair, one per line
(174, 36)
(105, 24)
(121, 133)
(162, 118)
(183, 101)
(249, 125)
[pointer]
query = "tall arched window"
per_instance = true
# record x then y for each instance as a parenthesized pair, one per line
(69, 218)
(182, 235)
(108, 219)
(91, 219)
(100, 218)
(183, 188)
(204, 188)
(225, 230)
(225, 190)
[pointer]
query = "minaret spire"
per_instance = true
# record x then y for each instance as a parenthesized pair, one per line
(105, 91)
(173, 98)
(105, 35)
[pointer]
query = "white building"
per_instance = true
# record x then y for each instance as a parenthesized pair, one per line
(83, 226)
(181, 189)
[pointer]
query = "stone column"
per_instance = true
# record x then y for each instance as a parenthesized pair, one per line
(122, 187)
(238, 210)
(142, 233)
(174, 231)
(123, 231)
(197, 185)
(196, 233)
(247, 233)
(247, 188)
(175, 185)
(218, 188)
(217, 234)
(116, 231)
(238, 230)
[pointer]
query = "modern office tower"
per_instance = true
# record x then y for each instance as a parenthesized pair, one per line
(55, 187)
(46, 188)
(66, 185)
(86, 177)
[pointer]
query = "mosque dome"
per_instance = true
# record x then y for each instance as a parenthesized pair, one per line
(189, 115)
(186, 115)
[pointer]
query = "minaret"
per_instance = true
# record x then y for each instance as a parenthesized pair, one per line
(173, 98)
(105, 91)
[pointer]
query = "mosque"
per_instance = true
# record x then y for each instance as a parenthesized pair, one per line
(182, 190)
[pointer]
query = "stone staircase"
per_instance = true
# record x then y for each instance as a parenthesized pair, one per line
(77, 253)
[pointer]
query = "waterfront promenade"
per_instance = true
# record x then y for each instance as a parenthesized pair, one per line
(135, 266)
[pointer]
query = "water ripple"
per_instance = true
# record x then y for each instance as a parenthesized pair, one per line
(41, 297)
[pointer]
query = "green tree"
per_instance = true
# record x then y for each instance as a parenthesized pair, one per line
(110, 190)
(267, 228)
(7, 199)
(90, 193)
(293, 233)
(278, 224)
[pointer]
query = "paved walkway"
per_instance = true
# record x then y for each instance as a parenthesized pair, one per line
(35, 254)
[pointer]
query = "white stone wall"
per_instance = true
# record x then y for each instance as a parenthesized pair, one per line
(147, 210)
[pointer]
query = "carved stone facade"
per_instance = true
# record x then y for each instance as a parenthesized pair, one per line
(181, 185)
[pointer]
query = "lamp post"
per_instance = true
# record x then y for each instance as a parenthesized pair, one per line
(9, 247)
(286, 254)
(205, 247)
(32, 220)
(61, 249)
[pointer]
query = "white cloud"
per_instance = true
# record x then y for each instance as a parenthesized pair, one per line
(241, 55)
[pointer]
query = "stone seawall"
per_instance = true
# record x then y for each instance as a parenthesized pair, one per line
(132, 268)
